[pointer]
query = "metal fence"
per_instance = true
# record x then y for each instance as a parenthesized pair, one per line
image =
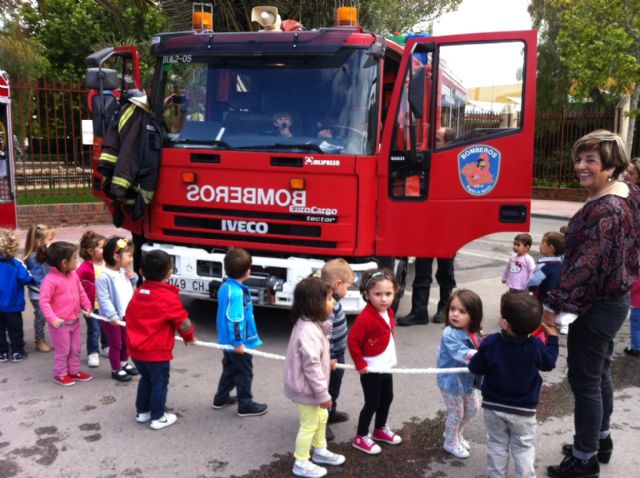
(554, 137)
(50, 157)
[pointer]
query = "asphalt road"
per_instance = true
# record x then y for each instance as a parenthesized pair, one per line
(89, 430)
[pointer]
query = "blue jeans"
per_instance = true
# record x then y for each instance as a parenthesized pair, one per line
(237, 371)
(634, 321)
(93, 335)
(152, 387)
(589, 349)
(335, 382)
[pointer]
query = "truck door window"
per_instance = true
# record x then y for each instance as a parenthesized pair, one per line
(409, 158)
(479, 90)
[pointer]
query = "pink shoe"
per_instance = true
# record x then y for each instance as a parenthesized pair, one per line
(385, 435)
(365, 444)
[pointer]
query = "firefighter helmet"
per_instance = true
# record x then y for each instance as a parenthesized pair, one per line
(138, 98)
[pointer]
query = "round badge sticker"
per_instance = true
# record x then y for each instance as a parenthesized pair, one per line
(479, 169)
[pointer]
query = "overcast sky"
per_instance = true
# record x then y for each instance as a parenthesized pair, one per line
(485, 16)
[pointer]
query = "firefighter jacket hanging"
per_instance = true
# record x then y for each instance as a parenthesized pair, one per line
(130, 159)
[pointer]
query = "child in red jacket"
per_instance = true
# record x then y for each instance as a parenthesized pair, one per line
(153, 314)
(373, 350)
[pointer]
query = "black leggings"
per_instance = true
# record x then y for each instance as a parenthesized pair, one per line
(378, 395)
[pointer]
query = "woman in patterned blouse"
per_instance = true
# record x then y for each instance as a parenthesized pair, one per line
(601, 264)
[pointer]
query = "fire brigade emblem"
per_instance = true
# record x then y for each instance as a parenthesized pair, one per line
(479, 168)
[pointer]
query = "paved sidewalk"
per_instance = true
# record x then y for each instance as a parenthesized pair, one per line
(554, 209)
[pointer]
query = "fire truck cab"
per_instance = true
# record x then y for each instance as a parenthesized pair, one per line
(306, 145)
(7, 170)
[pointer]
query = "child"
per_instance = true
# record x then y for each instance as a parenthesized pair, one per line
(634, 321)
(546, 276)
(306, 375)
(38, 239)
(153, 314)
(13, 277)
(373, 350)
(62, 300)
(338, 274)
(458, 344)
(237, 327)
(520, 265)
(114, 288)
(91, 245)
(510, 362)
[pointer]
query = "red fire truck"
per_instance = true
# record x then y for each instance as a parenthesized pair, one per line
(356, 172)
(7, 182)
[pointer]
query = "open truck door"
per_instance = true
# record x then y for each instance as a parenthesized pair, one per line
(7, 168)
(457, 149)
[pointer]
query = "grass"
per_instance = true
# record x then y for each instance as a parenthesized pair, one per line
(58, 196)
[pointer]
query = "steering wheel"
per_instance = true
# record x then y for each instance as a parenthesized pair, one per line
(345, 129)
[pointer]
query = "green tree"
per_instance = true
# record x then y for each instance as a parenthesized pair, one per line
(599, 42)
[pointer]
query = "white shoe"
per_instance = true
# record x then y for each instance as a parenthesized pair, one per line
(325, 457)
(458, 450)
(93, 360)
(307, 469)
(104, 352)
(166, 420)
(464, 443)
(143, 417)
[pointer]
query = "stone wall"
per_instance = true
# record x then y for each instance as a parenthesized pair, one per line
(59, 215)
(560, 194)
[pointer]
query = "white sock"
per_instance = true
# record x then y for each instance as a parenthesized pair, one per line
(122, 364)
(324, 451)
(301, 463)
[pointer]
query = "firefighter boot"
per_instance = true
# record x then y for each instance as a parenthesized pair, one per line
(440, 316)
(419, 314)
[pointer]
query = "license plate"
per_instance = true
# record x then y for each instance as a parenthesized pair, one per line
(195, 286)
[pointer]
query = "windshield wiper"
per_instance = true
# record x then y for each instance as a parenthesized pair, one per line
(303, 146)
(204, 142)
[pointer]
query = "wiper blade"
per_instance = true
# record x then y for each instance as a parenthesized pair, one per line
(304, 146)
(205, 142)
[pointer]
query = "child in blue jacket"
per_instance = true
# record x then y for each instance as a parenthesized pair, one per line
(237, 327)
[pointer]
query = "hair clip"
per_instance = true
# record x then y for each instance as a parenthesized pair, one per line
(121, 244)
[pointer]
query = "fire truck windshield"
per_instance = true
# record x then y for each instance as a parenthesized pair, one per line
(323, 103)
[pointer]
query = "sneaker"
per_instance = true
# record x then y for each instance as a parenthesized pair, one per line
(166, 420)
(18, 357)
(365, 444)
(572, 467)
(228, 402)
(131, 370)
(120, 376)
(104, 351)
(605, 449)
(464, 442)
(253, 410)
(458, 451)
(81, 376)
(632, 352)
(64, 380)
(385, 435)
(328, 434)
(325, 457)
(564, 329)
(93, 360)
(42, 346)
(143, 417)
(338, 417)
(308, 469)
(4, 357)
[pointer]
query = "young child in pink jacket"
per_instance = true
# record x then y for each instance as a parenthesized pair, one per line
(306, 375)
(63, 300)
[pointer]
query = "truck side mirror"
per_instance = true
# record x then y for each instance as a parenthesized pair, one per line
(102, 79)
(416, 92)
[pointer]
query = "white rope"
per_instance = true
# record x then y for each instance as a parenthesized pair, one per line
(258, 353)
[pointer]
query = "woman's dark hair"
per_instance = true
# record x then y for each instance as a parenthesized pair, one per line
(89, 241)
(310, 299)
(115, 245)
(60, 251)
(471, 303)
(371, 277)
(237, 262)
(156, 265)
